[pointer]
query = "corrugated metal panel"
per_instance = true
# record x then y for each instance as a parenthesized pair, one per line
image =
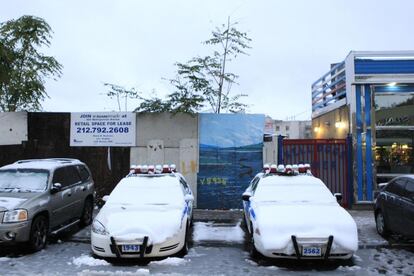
(369, 66)
(328, 159)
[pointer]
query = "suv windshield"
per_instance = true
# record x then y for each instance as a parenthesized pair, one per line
(23, 180)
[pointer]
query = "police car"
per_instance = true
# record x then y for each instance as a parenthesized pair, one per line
(289, 213)
(148, 214)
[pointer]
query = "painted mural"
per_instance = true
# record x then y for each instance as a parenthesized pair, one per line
(231, 147)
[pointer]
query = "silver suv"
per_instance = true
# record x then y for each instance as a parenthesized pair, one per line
(43, 196)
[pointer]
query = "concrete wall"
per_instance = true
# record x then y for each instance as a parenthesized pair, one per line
(334, 124)
(163, 138)
(13, 128)
(270, 151)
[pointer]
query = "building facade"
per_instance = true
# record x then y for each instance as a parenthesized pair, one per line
(293, 129)
(369, 97)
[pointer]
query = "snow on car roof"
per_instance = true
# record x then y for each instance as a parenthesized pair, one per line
(148, 190)
(47, 164)
(293, 189)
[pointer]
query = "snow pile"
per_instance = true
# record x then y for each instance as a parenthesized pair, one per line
(251, 262)
(10, 202)
(4, 259)
(210, 232)
(88, 260)
(348, 268)
(173, 261)
(144, 206)
(140, 271)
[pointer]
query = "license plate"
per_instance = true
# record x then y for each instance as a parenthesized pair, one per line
(311, 251)
(130, 248)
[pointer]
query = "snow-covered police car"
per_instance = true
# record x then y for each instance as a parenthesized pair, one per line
(291, 214)
(148, 214)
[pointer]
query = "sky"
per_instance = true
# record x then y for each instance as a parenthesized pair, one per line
(136, 43)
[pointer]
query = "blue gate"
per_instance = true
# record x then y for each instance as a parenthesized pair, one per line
(231, 153)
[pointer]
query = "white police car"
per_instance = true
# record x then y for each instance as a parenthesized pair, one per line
(291, 214)
(148, 214)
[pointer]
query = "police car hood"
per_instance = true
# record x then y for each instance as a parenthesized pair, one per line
(127, 223)
(278, 222)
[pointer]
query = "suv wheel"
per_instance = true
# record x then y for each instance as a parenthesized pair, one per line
(87, 213)
(381, 225)
(38, 233)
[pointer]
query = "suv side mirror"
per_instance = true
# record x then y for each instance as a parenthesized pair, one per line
(246, 196)
(338, 197)
(189, 197)
(56, 187)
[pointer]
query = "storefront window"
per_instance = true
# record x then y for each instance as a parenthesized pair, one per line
(394, 109)
(394, 151)
(394, 147)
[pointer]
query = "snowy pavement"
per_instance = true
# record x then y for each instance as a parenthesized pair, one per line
(70, 258)
(218, 248)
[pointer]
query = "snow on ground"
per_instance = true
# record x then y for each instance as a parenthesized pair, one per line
(251, 262)
(208, 231)
(348, 268)
(367, 233)
(392, 261)
(174, 261)
(4, 259)
(140, 271)
(89, 261)
(192, 253)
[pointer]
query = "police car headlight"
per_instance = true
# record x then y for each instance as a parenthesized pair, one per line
(17, 215)
(98, 228)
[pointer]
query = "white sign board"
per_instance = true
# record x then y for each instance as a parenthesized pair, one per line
(102, 129)
(13, 128)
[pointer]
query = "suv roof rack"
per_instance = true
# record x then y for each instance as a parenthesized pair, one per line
(58, 160)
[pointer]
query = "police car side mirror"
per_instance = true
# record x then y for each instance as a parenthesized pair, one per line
(246, 196)
(338, 197)
(189, 197)
(56, 187)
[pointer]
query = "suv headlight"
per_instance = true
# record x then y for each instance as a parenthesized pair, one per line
(98, 228)
(17, 215)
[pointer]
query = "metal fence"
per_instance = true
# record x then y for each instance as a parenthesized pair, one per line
(330, 161)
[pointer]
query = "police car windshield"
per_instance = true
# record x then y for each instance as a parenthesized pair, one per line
(138, 191)
(293, 189)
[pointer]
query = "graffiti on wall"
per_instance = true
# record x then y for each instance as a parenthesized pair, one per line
(231, 153)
